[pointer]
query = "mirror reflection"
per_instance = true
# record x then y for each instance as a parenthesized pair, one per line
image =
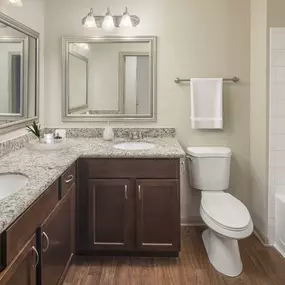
(17, 75)
(109, 79)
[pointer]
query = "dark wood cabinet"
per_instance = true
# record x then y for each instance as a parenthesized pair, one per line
(23, 269)
(57, 240)
(37, 248)
(157, 215)
(26, 225)
(109, 206)
(130, 205)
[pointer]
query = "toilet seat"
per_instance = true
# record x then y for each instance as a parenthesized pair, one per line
(225, 210)
(225, 214)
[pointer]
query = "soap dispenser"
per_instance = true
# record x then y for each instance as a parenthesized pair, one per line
(108, 134)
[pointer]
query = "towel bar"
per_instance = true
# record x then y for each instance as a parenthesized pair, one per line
(234, 80)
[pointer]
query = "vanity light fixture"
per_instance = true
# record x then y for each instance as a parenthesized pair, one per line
(17, 3)
(109, 21)
(126, 21)
(89, 21)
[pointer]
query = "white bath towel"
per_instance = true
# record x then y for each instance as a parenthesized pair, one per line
(207, 103)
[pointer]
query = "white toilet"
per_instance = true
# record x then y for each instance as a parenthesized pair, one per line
(227, 218)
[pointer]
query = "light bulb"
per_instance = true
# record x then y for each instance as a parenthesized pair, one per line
(108, 23)
(84, 46)
(126, 21)
(17, 3)
(89, 21)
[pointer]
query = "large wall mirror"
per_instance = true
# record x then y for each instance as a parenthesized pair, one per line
(18, 74)
(109, 79)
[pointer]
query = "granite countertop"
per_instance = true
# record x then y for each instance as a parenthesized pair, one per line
(44, 167)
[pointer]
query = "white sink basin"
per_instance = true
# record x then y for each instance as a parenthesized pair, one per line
(11, 183)
(134, 146)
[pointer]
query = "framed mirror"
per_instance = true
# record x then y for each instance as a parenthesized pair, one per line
(109, 78)
(19, 78)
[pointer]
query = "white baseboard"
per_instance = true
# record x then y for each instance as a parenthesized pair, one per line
(280, 248)
(264, 240)
(192, 222)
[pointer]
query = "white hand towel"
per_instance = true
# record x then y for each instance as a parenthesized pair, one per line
(207, 103)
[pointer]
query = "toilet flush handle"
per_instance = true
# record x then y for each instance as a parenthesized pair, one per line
(189, 157)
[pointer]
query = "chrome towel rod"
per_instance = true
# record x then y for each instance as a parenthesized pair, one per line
(234, 80)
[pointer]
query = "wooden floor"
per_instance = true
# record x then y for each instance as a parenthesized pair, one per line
(262, 266)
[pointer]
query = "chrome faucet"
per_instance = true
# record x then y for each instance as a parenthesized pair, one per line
(136, 135)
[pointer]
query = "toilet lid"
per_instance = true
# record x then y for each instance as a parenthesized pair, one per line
(225, 210)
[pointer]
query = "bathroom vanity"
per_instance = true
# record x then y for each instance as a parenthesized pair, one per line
(89, 199)
(128, 205)
(92, 197)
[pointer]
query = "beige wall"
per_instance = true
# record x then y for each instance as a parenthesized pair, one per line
(259, 115)
(202, 38)
(32, 15)
(276, 13)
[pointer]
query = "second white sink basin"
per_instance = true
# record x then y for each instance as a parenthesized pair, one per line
(11, 183)
(134, 146)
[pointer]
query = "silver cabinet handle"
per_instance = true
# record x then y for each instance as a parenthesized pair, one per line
(47, 241)
(140, 194)
(126, 192)
(37, 256)
(69, 178)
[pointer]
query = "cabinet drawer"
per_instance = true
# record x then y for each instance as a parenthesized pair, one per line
(23, 228)
(130, 168)
(67, 180)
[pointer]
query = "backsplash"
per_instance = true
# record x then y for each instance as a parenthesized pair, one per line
(21, 141)
(15, 144)
(119, 132)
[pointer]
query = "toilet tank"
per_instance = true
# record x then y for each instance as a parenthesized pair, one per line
(209, 168)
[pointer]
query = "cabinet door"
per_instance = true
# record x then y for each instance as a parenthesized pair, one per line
(57, 240)
(22, 270)
(110, 214)
(158, 215)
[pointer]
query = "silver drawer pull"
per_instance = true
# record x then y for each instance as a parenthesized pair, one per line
(47, 242)
(126, 192)
(69, 178)
(37, 256)
(140, 194)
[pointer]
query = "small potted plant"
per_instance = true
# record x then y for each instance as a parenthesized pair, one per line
(35, 129)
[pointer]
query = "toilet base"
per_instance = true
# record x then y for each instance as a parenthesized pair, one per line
(223, 253)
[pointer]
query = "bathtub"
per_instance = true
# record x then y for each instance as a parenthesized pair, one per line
(280, 223)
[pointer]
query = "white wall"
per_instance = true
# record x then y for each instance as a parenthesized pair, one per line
(32, 15)
(143, 90)
(258, 116)
(130, 106)
(276, 18)
(276, 123)
(203, 38)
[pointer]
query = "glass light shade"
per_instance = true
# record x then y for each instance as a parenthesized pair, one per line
(89, 21)
(126, 21)
(17, 3)
(108, 23)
